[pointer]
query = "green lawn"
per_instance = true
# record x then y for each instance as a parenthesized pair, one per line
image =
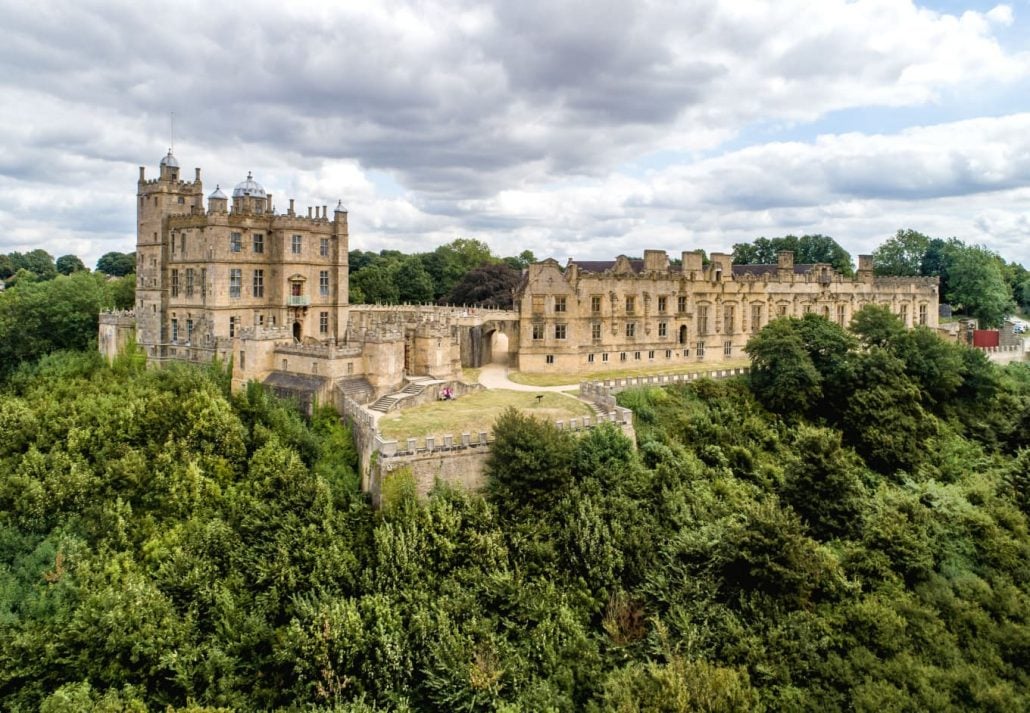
(565, 378)
(477, 412)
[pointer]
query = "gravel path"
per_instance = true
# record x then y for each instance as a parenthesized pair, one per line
(495, 376)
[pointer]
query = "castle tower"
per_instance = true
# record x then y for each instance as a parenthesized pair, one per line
(156, 200)
(341, 246)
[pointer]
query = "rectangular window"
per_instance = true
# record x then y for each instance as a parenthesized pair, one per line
(182, 244)
(189, 329)
(595, 304)
(538, 331)
(243, 359)
(175, 330)
(631, 329)
(636, 355)
(323, 247)
(922, 315)
(590, 358)
(175, 283)
(756, 317)
(700, 349)
(663, 329)
(559, 304)
(808, 309)
(323, 323)
(622, 356)
(668, 354)
(604, 357)
(559, 331)
(661, 305)
(232, 327)
(323, 283)
(840, 315)
(235, 242)
(727, 348)
(631, 304)
(681, 304)
(235, 281)
(538, 304)
(203, 283)
(728, 313)
(650, 355)
(189, 281)
(595, 331)
(259, 242)
(702, 320)
(781, 310)
(549, 358)
(259, 283)
(904, 315)
(295, 245)
(259, 319)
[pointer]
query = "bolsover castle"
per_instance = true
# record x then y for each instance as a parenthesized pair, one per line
(268, 290)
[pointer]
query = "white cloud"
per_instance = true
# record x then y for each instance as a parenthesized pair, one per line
(517, 122)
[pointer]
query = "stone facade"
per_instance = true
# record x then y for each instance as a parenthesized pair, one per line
(594, 316)
(268, 291)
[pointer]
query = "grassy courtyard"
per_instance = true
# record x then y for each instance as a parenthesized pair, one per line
(559, 379)
(477, 412)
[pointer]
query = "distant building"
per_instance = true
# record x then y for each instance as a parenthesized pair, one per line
(593, 315)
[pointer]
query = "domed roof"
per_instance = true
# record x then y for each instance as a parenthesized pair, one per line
(217, 193)
(248, 189)
(169, 160)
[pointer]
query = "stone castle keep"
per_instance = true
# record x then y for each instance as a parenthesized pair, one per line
(238, 281)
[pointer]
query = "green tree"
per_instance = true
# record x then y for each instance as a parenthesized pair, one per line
(39, 262)
(117, 264)
(376, 285)
(530, 462)
(975, 283)
(901, 255)
(40, 317)
(449, 263)
(884, 419)
(67, 264)
(486, 286)
(783, 375)
(823, 483)
(414, 284)
(808, 249)
(877, 326)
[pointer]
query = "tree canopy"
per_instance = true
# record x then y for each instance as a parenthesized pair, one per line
(117, 264)
(808, 249)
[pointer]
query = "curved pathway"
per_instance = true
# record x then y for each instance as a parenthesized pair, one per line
(495, 376)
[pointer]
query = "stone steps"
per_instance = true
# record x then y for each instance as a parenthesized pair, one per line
(384, 403)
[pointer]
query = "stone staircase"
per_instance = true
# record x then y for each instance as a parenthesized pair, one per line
(358, 389)
(385, 403)
(411, 389)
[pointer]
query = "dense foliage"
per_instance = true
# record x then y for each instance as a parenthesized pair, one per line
(865, 547)
(808, 250)
(39, 317)
(461, 272)
(973, 279)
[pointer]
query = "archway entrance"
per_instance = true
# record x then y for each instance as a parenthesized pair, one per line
(683, 334)
(296, 331)
(498, 347)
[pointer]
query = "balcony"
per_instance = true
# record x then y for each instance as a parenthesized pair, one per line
(298, 300)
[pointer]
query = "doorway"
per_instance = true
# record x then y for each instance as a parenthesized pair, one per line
(296, 331)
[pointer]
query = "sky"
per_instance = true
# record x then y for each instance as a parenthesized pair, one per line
(571, 129)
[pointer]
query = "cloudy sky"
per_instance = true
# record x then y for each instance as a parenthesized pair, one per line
(583, 129)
